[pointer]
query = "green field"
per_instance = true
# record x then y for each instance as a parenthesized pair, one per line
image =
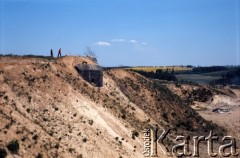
(202, 78)
(216, 73)
(164, 68)
(198, 78)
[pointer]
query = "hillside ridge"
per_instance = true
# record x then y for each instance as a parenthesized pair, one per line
(52, 111)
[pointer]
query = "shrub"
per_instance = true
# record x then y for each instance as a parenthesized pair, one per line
(35, 137)
(51, 133)
(57, 146)
(165, 115)
(124, 116)
(29, 99)
(7, 127)
(80, 156)
(13, 146)
(3, 153)
(5, 97)
(39, 155)
(84, 140)
(90, 122)
(135, 134)
(71, 150)
(28, 110)
(123, 112)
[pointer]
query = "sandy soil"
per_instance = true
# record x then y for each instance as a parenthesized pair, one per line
(51, 110)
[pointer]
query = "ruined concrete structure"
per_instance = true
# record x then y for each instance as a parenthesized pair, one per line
(91, 73)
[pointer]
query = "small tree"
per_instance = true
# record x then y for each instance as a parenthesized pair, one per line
(91, 54)
(172, 70)
(167, 70)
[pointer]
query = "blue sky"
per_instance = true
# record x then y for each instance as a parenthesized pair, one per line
(125, 32)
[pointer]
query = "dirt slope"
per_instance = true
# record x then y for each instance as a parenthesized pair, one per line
(53, 112)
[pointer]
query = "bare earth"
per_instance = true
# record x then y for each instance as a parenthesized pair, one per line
(53, 112)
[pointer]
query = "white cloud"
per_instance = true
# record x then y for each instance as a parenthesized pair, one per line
(100, 43)
(118, 40)
(133, 41)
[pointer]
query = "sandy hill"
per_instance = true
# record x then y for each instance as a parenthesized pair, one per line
(52, 112)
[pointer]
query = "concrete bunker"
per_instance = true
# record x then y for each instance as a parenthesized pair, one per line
(91, 73)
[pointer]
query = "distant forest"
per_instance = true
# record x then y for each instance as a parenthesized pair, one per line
(232, 78)
(209, 69)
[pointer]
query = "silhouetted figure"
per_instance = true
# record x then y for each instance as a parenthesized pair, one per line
(59, 53)
(51, 52)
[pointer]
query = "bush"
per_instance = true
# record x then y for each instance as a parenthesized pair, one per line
(123, 112)
(165, 115)
(13, 146)
(90, 122)
(80, 156)
(3, 153)
(28, 110)
(35, 137)
(135, 134)
(29, 99)
(5, 97)
(39, 155)
(84, 140)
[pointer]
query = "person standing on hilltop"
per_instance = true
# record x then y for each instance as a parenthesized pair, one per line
(60, 53)
(51, 52)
